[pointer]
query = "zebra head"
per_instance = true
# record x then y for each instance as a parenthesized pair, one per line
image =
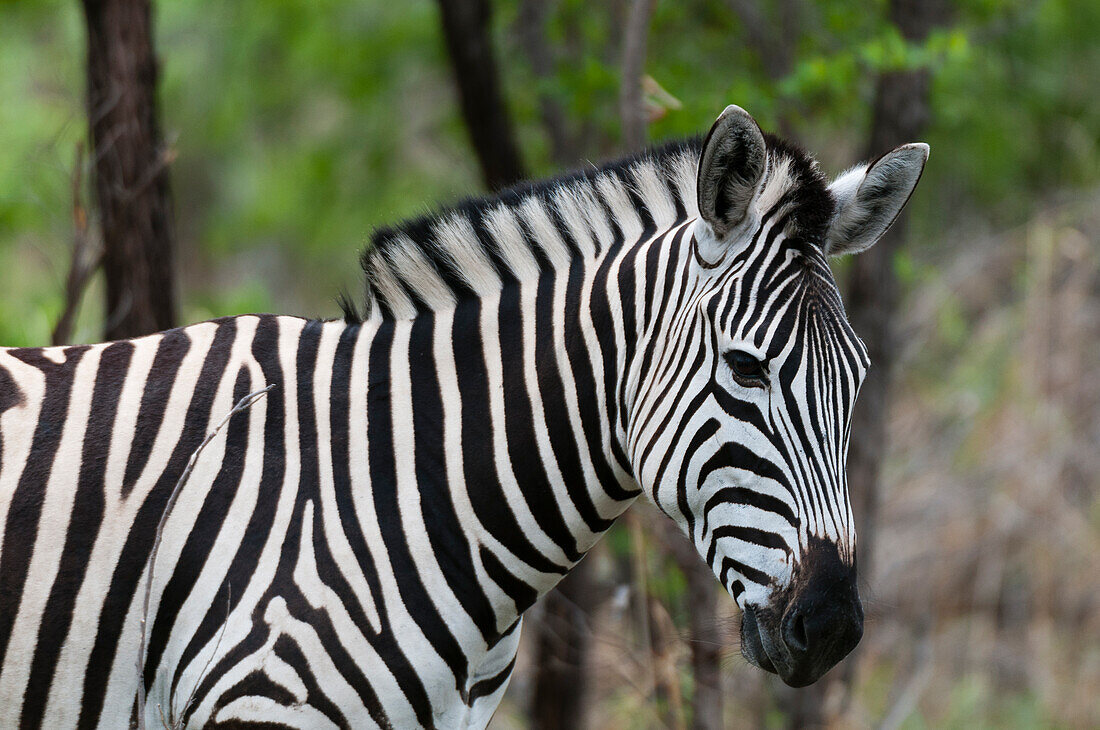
(741, 433)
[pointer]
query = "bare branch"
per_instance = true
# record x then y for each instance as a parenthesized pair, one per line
(84, 260)
(703, 629)
(243, 404)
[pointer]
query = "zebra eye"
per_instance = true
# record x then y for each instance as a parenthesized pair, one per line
(747, 369)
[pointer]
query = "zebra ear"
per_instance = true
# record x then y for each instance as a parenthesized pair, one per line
(869, 198)
(730, 169)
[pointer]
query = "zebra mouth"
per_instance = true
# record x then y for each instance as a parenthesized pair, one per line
(752, 643)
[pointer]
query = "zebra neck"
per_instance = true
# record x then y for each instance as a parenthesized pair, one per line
(494, 424)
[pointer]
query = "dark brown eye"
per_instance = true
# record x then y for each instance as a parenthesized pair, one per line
(747, 369)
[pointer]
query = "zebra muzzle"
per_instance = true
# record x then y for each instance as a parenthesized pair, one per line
(809, 627)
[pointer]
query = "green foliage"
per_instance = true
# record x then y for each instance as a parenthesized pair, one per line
(300, 126)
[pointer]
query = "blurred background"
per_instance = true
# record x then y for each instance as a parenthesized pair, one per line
(244, 170)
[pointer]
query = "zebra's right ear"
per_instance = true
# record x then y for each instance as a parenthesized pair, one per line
(731, 167)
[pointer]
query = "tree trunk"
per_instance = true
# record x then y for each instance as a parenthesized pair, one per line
(564, 636)
(130, 167)
(466, 31)
(632, 110)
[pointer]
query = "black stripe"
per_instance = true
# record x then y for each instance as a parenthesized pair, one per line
(492, 684)
(449, 544)
(385, 642)
(172, 349)
(584, 378)
(752, 535)
(563, 442)
(523, 454)
(265, 350)
(749, 497)
(208, 523)
(522, 594)
(756, 576)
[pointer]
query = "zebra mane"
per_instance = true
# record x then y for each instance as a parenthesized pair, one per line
(473, 247)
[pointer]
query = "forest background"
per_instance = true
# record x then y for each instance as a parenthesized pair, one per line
(292, 128)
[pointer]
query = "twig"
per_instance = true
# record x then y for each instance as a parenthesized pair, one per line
(209, 660)
(639, 575)
(531, 31)
(242, 404)
(913, 689)
(83, 262)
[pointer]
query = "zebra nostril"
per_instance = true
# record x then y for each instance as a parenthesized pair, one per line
(794, 633)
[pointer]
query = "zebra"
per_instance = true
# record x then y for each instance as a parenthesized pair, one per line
(358, 548)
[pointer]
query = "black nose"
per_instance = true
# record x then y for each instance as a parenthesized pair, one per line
(822, 624)
(818, 632)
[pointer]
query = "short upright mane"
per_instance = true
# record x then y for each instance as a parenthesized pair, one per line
(474, 247)
(471, 248)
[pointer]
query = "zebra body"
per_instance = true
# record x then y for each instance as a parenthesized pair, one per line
(357, 548)
(282, 498)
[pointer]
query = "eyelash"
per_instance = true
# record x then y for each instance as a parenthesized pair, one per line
(748, 370)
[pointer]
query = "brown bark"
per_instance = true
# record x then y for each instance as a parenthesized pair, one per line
(130, 166)
(466, 29)
(631, 109)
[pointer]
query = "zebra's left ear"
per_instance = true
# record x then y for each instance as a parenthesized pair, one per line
(731, 166)
(869, 198)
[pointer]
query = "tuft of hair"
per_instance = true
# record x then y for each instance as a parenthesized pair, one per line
(797, 183)
(477, 245)
(349, 308)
